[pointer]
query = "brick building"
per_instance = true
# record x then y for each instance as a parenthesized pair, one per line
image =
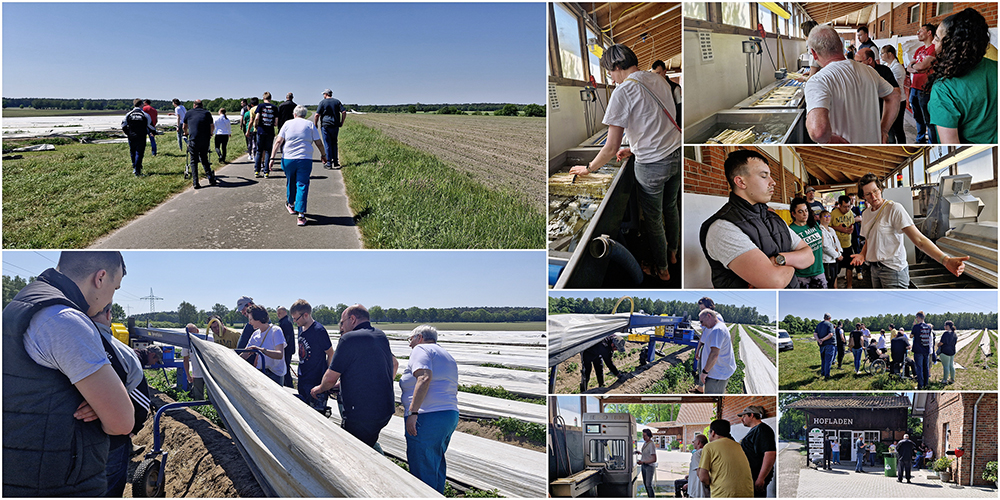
(847, 418)
(704, 171)
(906, 18)
(960, 420)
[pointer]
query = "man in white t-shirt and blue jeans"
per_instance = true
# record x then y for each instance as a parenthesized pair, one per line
(640, 108)
(842, 100)
(718, 362)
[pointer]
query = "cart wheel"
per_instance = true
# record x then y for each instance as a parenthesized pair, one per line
(144, 482)
(878, 367)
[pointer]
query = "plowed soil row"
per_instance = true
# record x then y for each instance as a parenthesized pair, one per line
(637, 378)
(501, 152)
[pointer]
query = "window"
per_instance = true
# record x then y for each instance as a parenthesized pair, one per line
(692, 153)
(595, 62)
(765, 18)
(946, 432)
(918, 170)
(944, 8)
(568, 35)
(696, 11)
(736, 14)
(915, 14)
(881, 26)
(906, 176)
(980, 166)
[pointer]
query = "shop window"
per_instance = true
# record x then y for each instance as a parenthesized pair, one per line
(881, 26)
(568, 36)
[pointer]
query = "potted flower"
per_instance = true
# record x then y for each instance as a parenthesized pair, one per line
(943, 467)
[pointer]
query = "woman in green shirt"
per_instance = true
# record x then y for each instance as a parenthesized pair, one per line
(963, 87)
(804, 225)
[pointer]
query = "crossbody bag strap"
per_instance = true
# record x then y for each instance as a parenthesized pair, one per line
(657, 99)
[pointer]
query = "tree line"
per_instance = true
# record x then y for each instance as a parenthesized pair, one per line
(963, 321)
(329, 316)
(233, 105)
(599, 305)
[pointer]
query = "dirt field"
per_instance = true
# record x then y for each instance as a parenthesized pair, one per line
(501, 152)
(203, 461)
(637, 380)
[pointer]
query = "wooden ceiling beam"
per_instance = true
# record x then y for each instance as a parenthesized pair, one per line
(845, 165)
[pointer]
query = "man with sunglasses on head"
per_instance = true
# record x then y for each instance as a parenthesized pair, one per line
(241, 307)
(315, 354)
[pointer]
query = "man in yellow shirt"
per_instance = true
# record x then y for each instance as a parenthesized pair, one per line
(842, 221)
(724, 467)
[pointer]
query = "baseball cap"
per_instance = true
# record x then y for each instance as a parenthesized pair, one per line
(243, 302)
(757, 410)
(328, 91)
(810, 188)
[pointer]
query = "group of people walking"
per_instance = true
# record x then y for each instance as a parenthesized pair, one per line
(270, 130)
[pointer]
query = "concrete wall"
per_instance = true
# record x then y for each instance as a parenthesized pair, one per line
(567, 126)
(721, 83)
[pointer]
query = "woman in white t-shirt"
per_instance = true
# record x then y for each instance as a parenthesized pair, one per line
(430, 405)
(268, 342)
(641, 108)
(223, 128)
(883, 226)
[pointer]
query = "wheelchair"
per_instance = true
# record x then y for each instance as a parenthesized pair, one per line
(875, 362)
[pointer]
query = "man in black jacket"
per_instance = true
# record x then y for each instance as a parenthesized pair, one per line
(137, 125)
(904, 452)
(198, 126)
(61, 395)
(285, 323)
(746, 244)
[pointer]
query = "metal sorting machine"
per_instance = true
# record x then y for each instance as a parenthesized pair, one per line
(592, 222)
(595, 458)
(772, 115)
(948, 214)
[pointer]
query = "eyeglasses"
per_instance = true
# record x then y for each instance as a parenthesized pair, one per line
(297, 319)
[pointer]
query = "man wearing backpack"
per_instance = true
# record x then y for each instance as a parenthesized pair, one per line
(137, 125)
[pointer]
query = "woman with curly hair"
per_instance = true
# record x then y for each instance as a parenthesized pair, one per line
(963, 101)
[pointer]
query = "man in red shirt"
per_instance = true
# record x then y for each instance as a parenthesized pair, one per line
(147, 106)
(921, 66)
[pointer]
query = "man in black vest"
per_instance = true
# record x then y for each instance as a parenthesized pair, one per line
(746, 244)
(53, 363)
(198, 126)
(137, 125)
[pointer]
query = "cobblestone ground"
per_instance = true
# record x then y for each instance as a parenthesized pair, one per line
(843, 482)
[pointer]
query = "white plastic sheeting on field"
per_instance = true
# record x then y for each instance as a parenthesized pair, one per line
(570, 334)
(478, 406)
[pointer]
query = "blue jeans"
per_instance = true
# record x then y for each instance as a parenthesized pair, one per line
(860, 462)
(117, 469)
(425, 451)
(923, 362)
(836, 457)
(264, 142)
(297, 174)
(828, 351)
(152, 140)
(181, 138)
(857, 358)
(918, 103)
(330, 133)
(885, 277)
(659, 187)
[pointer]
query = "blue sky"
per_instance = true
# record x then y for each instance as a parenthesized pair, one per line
(859, 303)
(367, 53)
(763, 300)
(370, 277)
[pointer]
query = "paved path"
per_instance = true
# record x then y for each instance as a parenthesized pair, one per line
(790, 461)
(760, 375)
(843, 482)
(244, 212)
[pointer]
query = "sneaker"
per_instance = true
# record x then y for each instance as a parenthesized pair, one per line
(290, 209)
(301, 220)
(267, 175)
(211, 180)
(328, 166)
(257, 175)
(196, 185)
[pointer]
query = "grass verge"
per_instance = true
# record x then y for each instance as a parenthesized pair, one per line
(449, 490)
(405, 198)
(72, 196)
(766, 346)
(735, 385)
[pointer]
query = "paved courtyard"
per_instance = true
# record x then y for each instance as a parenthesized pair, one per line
(843, 482)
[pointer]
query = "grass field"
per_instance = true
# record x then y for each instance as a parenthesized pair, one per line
(69, 197)
(408, 198)
(504, 153)
(799, 369)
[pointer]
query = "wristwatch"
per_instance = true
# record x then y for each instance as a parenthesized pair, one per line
(779, 259)
(705, 372)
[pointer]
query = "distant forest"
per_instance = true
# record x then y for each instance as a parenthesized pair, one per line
(233, 105)
(795, 325)
(598, 305)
